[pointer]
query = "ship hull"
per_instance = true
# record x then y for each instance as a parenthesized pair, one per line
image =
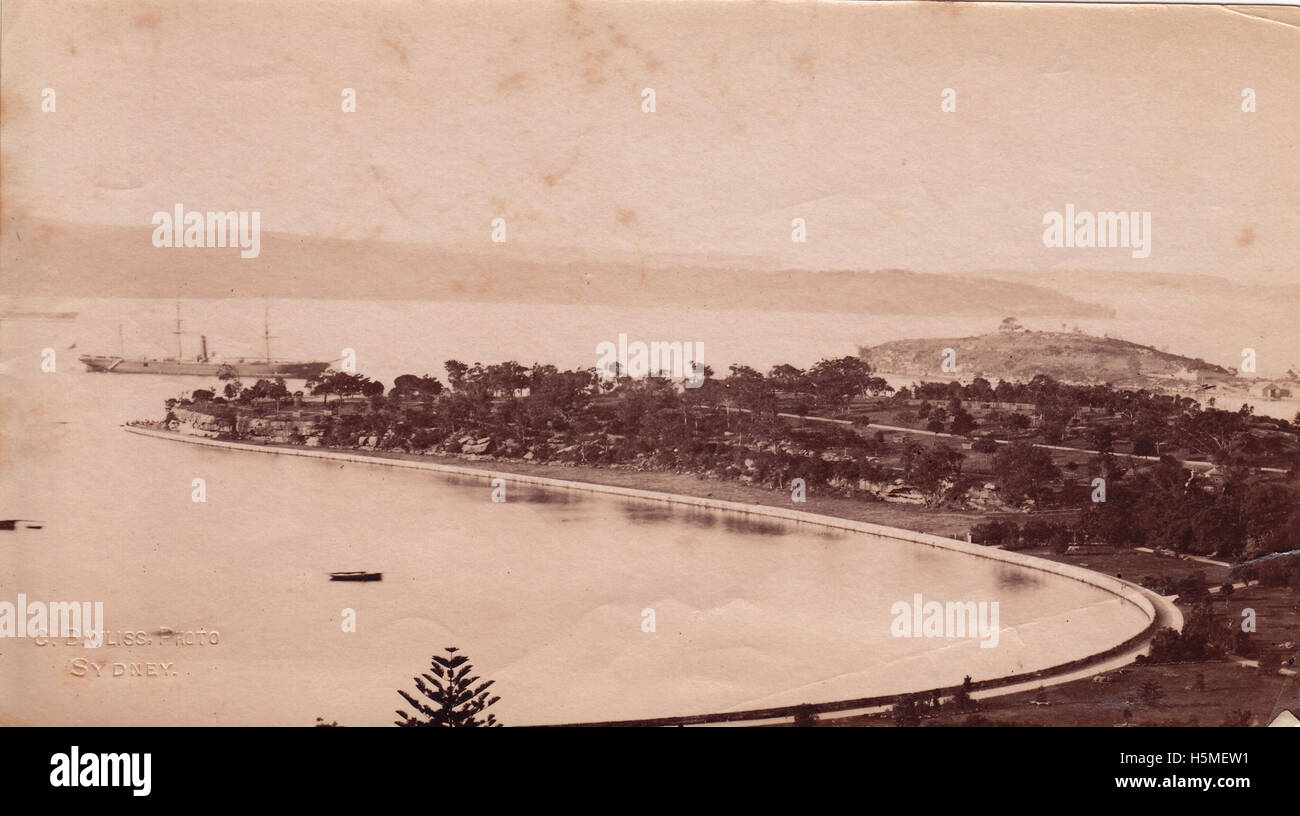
(244, 369)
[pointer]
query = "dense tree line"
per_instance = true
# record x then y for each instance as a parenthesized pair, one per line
(1241, 514)
(1151, 422)
(729, 428)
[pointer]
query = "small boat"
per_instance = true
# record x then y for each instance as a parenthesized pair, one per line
(20, 524)
(357, 575)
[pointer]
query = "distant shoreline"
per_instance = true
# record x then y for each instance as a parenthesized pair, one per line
(1159, 611)
(1276, 408)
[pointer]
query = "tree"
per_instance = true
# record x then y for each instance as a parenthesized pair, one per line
(456, 371)
(962, 697)
(788, 378)
(994, 532)
(980, 390)
(455, 698)
(322, 384)
(1024, 471)
(934, 471)
(1211, 431)
(278, 390)
(1113, 521)
(343, 383)
(835, 382)
(1101, 439)
(907, 710)
(1271, 511)
(962, 422)
(1151, 692)
(409, 384)
(805, 716)
(748, 390)
(501, 379)
(1144, 445)
(265, 389)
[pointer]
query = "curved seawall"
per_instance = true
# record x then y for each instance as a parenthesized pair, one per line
(1157, 611)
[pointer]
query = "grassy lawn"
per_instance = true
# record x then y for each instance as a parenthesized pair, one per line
(1133, 566)
(1192, 694)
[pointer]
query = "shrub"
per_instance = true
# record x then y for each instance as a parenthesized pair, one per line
(994, 532)
(1041, 531)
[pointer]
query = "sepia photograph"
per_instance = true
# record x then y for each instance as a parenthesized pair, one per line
(453, 363)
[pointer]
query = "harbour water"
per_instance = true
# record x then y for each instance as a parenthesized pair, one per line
(391, 337)
(545, 592)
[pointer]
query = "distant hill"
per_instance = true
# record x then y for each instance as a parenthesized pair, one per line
(70, 260)
(1021, 355)
(1111, 286)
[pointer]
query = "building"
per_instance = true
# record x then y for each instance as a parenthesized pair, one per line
(1270, 390)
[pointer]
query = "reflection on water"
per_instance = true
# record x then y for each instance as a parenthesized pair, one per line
(1009, 577)
(515, 491)
(538, 495)
(697, 516)
(751, 525)
(645, 512)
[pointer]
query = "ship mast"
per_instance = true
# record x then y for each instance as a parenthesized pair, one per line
(179, 356)
(266, 329)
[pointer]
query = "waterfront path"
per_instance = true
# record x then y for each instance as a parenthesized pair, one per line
(1160, 612)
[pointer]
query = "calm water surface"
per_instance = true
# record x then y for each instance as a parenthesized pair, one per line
(544, 592)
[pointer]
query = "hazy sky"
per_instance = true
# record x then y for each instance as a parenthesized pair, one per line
(765, 112)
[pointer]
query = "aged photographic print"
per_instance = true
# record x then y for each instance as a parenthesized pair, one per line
(499, 363)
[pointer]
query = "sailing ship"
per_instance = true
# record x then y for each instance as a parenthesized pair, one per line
(204, 366)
